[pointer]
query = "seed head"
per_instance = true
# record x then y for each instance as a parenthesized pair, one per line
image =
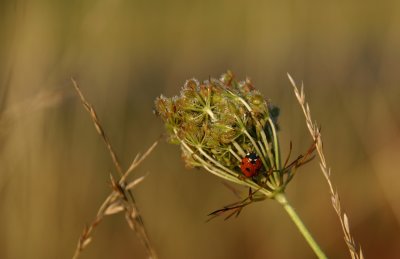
(217, 122)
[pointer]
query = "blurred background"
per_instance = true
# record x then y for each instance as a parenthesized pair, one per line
(54, 168)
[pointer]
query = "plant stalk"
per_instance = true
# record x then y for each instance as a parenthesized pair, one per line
(281, 198)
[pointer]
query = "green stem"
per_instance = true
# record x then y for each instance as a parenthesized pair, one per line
(281, 198)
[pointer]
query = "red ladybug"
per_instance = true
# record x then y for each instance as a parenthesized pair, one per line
(250, 164)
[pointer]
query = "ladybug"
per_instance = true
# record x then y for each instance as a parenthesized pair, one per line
(250, 164)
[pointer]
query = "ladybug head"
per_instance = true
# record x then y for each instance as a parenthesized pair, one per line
(252, 157)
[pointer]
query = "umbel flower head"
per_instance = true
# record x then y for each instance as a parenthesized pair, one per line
(229, 129)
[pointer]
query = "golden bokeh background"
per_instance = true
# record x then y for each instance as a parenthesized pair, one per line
(54, 168)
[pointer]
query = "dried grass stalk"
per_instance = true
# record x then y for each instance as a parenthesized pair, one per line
(316, 135)
(121, 198)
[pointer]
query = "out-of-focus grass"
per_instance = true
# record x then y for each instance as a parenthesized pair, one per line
(54, 168)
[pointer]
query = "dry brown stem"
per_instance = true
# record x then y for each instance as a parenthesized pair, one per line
(316, 135)
(121, 198)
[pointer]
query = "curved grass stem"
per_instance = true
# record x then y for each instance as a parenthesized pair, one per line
(281, 198)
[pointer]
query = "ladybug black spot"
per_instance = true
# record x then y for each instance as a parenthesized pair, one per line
(247, 169)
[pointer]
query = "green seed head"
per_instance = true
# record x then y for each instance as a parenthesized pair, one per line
(217, 122)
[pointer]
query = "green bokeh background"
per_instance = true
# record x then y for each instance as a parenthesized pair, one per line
(54, 167)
